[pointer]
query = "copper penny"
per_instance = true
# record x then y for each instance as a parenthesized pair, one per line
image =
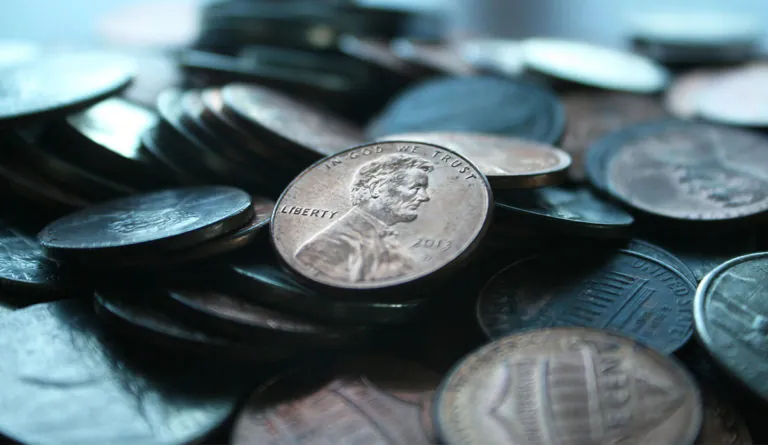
(507, 162)
(591, 115)
(689, 171)
(364, 401)
(567, 386)
(738, 97)
(683, 96)
(381, 215)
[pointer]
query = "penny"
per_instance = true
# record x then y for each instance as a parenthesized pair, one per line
(61, 83)
(737, 97)
(593, 65)
(731, 313)
(662, 256)
(381, 216)
(169, 219)
(476, 104)
(570, 210)
(683, 97)
(293, 125)
(506, 162)
(688, 171)
(721, 423)
(567, 385)
(620, 291)
(23, 265)
(363, 400)
(59, 364)
(592, 114)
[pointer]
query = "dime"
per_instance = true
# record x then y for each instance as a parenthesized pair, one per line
(567, 385)
(381, 215)
(364, 400)
(621, 291)
(158, 221)
(721, 423)
(663, 256)
(477, 104)
(572, 210)
(59, 364)
(61, 83)
(737, 97)
(593, 65)
(731, 313)
(591, 115)
(506, 162)
(683, 97)
(688, 171)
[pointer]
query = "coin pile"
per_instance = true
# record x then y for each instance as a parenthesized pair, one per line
(564, 252)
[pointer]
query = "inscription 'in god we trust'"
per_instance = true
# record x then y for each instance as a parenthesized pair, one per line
(308, 211)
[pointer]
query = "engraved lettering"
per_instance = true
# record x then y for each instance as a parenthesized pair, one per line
(315, 213)
(407, 148)
(305, 212)
(309, 212)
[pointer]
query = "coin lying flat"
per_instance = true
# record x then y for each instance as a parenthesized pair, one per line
(567, 385)
(622, 291)
(59, 364)
(61, 83)
(506, 162)
(23, 265)
(381, 215)
(363, 400)
(174, 218)
(731, 319)
(737, 97)
(687, 171)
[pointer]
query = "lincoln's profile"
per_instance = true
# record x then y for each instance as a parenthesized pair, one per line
(361, 245)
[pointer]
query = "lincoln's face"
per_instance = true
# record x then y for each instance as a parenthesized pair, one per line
(402, 195)
(728, 190)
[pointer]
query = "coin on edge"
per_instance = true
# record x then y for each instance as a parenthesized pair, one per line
(567, 385)
(508, 163)
(381, 215)
(731, 317)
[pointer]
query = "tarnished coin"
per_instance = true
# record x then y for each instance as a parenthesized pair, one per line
(381, 215)
(737, 97)
(721, 423)
(663, 256)
(58, 363)
(23, 265)
(567, 385)
(703, 255)
(619, 291)
(731, 317)
(477, 104)
(687, 171)
(683, 97)
(506, 162)
(590, 115)
(159, 221)
(360, 401)
(61, 83)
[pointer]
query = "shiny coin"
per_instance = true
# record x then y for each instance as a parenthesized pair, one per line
(152, 222)
(381, 215)
(731, 316)
(364, 400)
(506, 162)
(61, 83)
(623, 292)
(23, 265)
(542, 387)
(721, 423)
(593, 114)
(59, 364)
(688, 171)
(477, 104)
(683, 97)
(593, 65)
(737, 97)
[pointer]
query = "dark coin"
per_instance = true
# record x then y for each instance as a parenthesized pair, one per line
(170, 219)
(622, 291)
(731, 316)
(478, 104)
(58, 364)
(61, 83)
(151, 149)
(365, 400)
(23, 265)
(271, 286)
(542, 387)
(662, 256)
(592, 114)
(574, 210)
(379, 53)
(686, 171)
(721, 423)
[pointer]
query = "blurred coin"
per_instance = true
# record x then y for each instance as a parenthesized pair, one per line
(683, 97)
(381, 216)
(15, 52)
(721, 423)
(662, 256)
(479, 104)
(153, 222)
(150, 149)
(61, 83)
(737, 97)
(541, 386)
(592, 114)
(146, 24)
(434, 57)
(380, 54)
(732, 319)
(623, 292)
(366, 400)
(59, 364)
(500, 56)
(593, 65)
(24, 268)
(508, 163)
(157, 71)
(704, 254)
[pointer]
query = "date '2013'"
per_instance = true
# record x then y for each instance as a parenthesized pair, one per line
(434, 244)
